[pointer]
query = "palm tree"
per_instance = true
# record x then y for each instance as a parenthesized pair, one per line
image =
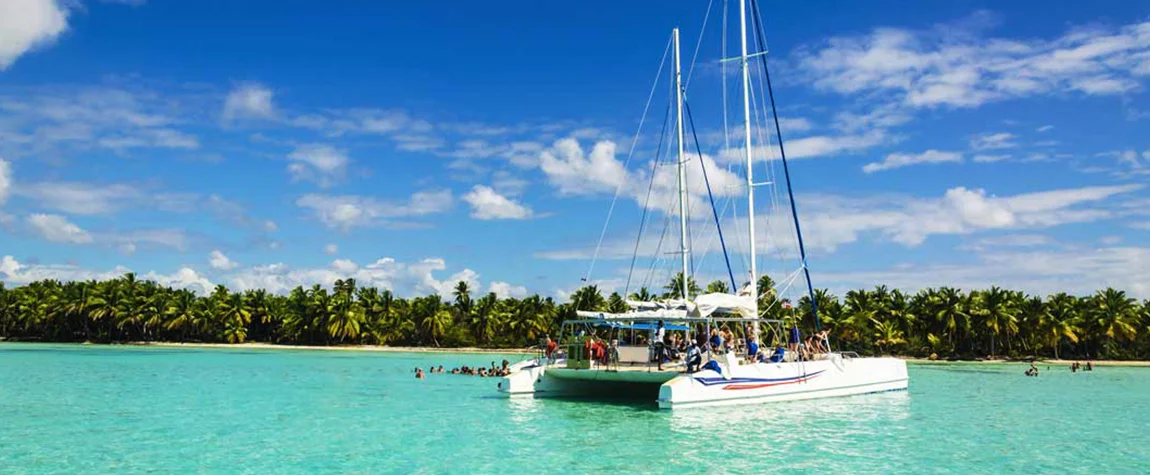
(462, 295)
(588, 298)
(997, 310)
(615, 303)
(718, 286)
(1060, 321)
(1114, 315)
(674, 288)
(643, 295)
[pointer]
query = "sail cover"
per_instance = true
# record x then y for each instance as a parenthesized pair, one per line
(742, 305)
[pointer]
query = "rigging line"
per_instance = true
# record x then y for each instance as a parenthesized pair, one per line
(631, 153)
(783, 154)
(718, 224)
(658, 249)
(647, 200)
(698, 45)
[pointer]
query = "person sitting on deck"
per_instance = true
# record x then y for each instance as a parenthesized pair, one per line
(752, 349)
(728, 339)
(716, 341)
(694, 358)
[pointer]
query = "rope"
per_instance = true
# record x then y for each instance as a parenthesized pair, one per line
(783, 154)
(647, 200)
(631, 153)
(715, 212)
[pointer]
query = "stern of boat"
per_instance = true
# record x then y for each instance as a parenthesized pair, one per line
(523, 378)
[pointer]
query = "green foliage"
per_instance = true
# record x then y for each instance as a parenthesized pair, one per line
(945, 321)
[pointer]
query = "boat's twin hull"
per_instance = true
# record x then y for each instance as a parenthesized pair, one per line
(742, 384)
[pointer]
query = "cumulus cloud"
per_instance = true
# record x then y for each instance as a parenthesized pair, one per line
(487, 204)
(504, 290)
(56, 228)
(576, 172)
(899, 160)
(345, 212)
(831, 221)
(249, 101)
(331, 249)
(28, 24)
(958, 67)
(219, 261)
(405, 279)
(1040, 272)
(322, 164)
(14, 272)
(185, 278)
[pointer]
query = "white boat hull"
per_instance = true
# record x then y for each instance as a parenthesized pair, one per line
(833, 376)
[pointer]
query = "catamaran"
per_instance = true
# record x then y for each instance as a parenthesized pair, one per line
(636, 359)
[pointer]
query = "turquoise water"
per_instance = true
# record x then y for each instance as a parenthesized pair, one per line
(91, 409)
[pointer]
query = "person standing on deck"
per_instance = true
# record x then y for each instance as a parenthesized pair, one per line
(658, 339)
(795, 338)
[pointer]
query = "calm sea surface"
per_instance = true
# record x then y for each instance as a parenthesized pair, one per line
(94, 409)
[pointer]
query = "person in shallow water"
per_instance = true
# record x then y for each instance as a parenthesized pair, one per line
(419, 373)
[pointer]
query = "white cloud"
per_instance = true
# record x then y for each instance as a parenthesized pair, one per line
(405, 279)
(504, 290)
(322, 164)
(955, 66)
(331, 249)
(56, 228)
(249, 101)
(1008, 240)
(1045, 128)
(219, 261)
(15, 273)
(986, 158)
(487, 204)
(185, 278)
(1077, 271)
(344, 266)
(5, 180)
(899, 160)
(80, 198)
(28, 24)
(575, 172)
(993, 141)
(831, 221)
(349, 211)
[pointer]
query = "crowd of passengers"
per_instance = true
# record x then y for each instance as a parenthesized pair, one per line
(672, 346)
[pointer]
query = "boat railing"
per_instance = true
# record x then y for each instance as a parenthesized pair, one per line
(848, 354)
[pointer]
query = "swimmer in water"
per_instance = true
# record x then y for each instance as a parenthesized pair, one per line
(419, 373)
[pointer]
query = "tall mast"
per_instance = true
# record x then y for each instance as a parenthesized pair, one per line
(750, 160)
(684, 250)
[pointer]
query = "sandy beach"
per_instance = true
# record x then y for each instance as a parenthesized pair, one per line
(393, 349)
(1133, 363)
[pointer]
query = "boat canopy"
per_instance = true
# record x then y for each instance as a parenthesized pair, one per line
(646, 326)
(704, 306)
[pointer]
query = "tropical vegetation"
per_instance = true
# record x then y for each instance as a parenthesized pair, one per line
(944, 322)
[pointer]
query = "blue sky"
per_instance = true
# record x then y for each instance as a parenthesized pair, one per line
(261, 144)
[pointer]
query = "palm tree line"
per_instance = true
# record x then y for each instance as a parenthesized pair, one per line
(944, 322)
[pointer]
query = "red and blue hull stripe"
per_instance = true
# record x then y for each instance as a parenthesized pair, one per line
(735, 384)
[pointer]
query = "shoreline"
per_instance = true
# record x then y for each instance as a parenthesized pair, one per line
(1125, 363)
(270, 346)
(518, 351)
(368, 348)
